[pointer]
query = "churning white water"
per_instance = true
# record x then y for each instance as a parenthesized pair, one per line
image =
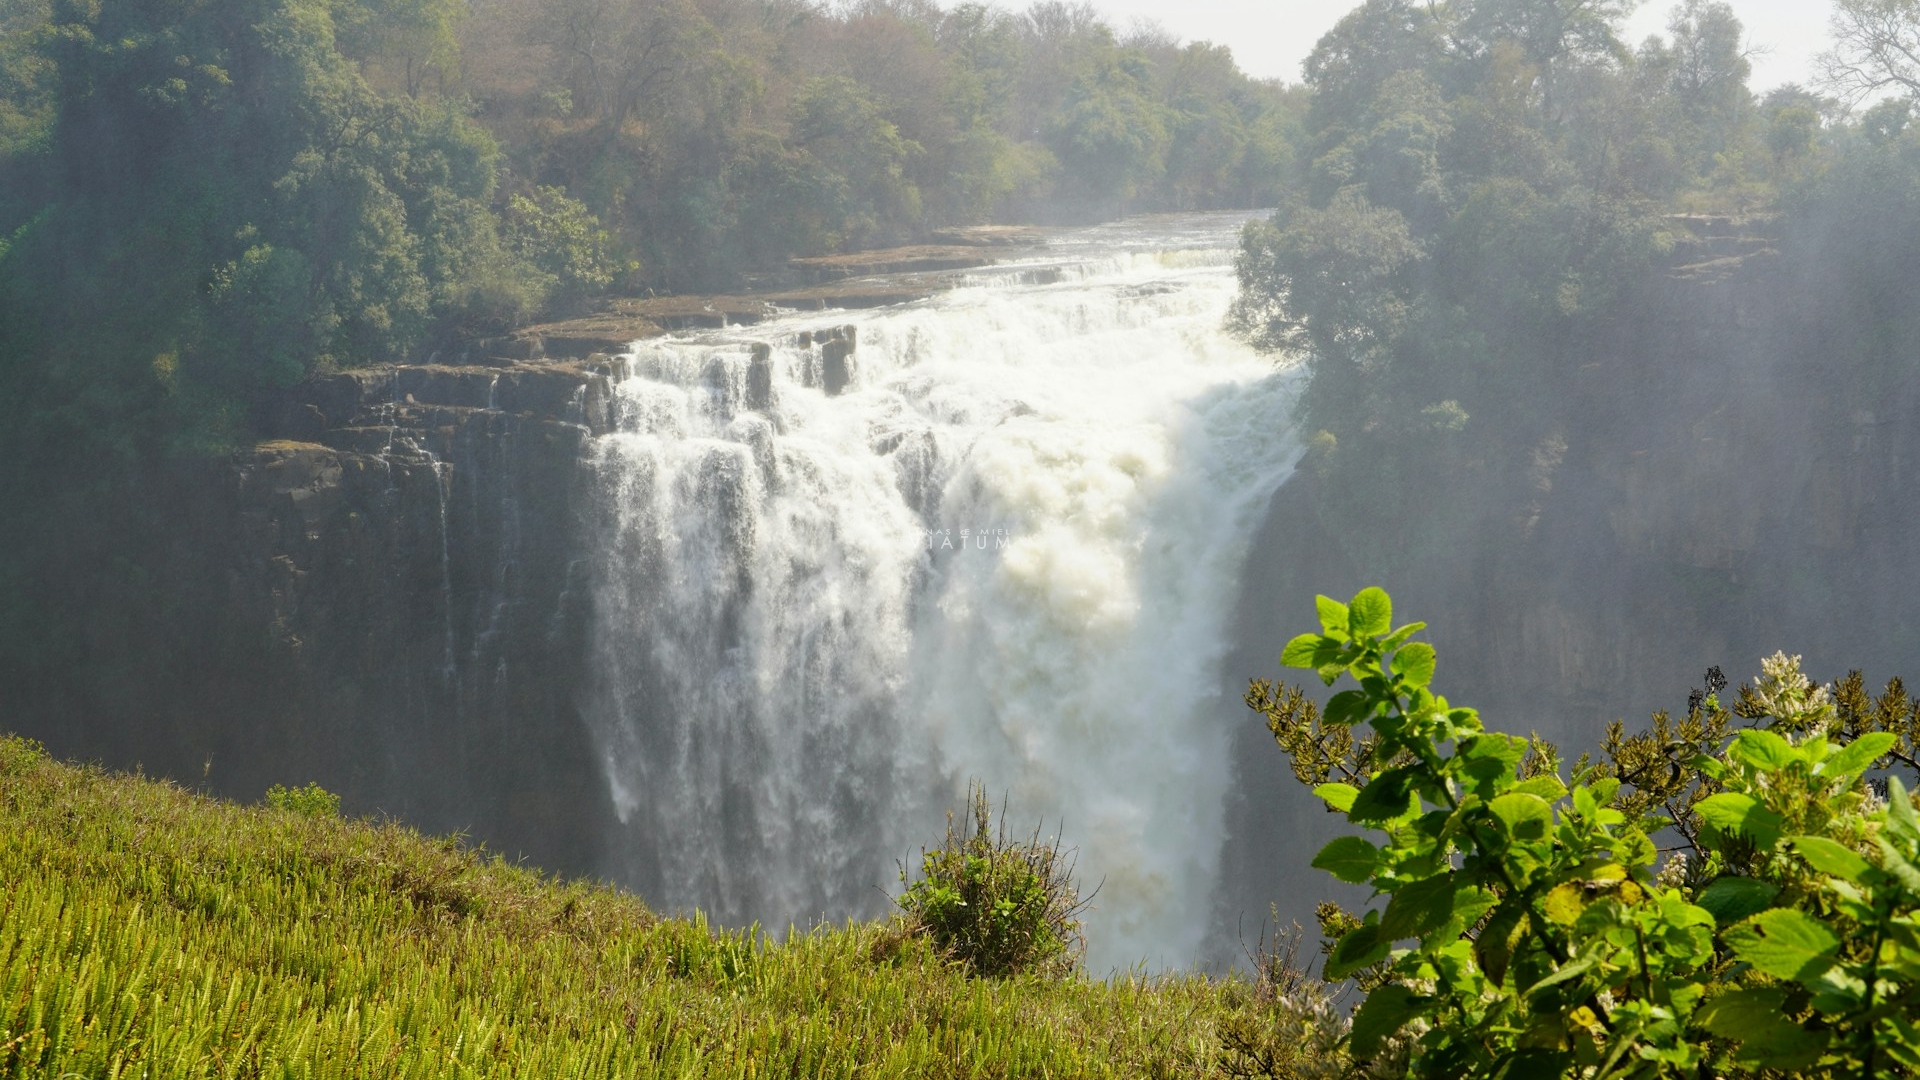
(1007, 550)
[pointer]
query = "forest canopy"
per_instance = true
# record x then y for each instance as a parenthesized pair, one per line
(201, 200)
(1492, 188)
(309, 183)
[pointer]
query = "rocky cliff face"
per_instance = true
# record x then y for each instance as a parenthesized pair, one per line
(411, 566)
(1721, 489)
(388, 582)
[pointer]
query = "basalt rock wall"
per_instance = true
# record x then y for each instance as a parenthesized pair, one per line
(1720, 488)
(384, 598)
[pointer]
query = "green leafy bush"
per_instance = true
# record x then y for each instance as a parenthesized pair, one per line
(310, 801)
(562, 239)
(1529, 928)
(1000, 906)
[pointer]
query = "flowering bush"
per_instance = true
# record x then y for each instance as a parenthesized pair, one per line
(1528, 927)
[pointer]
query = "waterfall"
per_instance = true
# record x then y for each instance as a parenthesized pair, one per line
(1006, 549)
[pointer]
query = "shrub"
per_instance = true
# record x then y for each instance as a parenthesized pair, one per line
(17, 755)
(1000, 906)
(310, 801)
(1784, 936)
(562, 239)
(1299, 1032)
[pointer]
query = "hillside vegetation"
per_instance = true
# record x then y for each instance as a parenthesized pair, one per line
(149, 931)
(1493, 189)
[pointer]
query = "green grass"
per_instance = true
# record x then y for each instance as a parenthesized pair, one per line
(146, 931)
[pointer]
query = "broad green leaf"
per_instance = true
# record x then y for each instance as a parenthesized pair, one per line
(1546, 787)
(1838, 991)
(1370, 614)
(1527, 817)
(1385, 1011)
(1730, 899)
(1728, 809)
(1906, 931)
(1755, 1018)
(1584, 802)
(1338, 796)
(1489, 761)
(1830, 857)
(1734, 1013)
(1388, 797)
(1566, 972)
(1677, 912)
(1634, 848)
(1414, 663)
(1897, 864)
(1859, 755)
(1494, 746)
(1348, 858)
(1469, 904)
(1565, 902)
(1762, 749)
(1418, 907)
(1346, 708)
(1900, 817)
(1605, 874)
(1785, 944)
(1904, 1045)
(1361, 946)
(1710, 767)
(1302, 651)
(1333, 616)
(1399, 637)
(1493, 946)
(1734, 812)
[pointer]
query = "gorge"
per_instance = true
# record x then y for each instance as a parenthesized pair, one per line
(680, 616)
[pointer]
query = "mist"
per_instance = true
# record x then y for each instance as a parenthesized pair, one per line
(543, 418)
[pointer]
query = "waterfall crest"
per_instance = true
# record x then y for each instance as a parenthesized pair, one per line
(1006, 548)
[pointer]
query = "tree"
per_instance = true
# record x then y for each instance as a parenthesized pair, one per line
(1710, 68)
(230, 206)
(1328, 280)
(1876, 48)
(1553, 35)
(861, 157)
(1112, 134)
(25, 101)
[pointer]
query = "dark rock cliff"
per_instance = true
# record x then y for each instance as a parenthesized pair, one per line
(384, 598)
(1720, 489)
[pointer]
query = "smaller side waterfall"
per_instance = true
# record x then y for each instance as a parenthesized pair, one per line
(752, 600)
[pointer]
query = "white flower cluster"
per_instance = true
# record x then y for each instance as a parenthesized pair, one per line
(1324, 1027)
(1790, 697)
(1673, 872)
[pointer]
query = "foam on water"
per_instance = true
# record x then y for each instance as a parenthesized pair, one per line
(1008, 551)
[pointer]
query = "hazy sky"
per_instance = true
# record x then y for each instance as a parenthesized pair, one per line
(1271, 37)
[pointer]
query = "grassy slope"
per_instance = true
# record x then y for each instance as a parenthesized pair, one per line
(148, 931)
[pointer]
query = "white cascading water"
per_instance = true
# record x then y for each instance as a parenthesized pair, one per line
(1008, 551)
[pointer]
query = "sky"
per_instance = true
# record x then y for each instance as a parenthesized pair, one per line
(1269, 38)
